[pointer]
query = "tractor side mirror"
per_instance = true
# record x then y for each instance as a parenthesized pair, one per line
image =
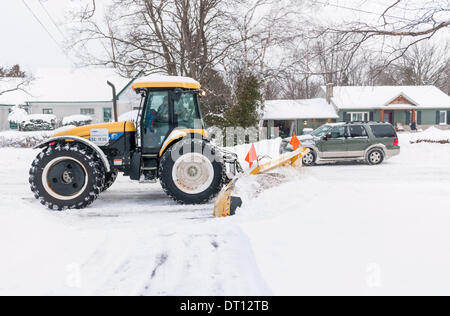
(327, 137)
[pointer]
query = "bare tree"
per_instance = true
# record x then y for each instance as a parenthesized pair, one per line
(264, 27)
(399, 27)
(424, 64)
(178, 37)
(13, 79)
(427, 64)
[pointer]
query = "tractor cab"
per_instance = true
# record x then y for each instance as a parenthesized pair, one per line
(168, 104)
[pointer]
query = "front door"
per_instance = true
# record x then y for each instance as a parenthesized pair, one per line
(357, 141)
(155, 121)
(335, 145)
(388, 115)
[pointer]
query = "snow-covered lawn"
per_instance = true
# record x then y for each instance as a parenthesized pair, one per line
(332, 229)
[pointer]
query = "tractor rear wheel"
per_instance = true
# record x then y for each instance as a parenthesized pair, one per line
(67, 176)
(192, 172)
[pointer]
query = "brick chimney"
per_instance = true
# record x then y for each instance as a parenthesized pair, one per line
(330, 92)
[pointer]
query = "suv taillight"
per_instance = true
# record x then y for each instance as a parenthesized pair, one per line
(396, 142)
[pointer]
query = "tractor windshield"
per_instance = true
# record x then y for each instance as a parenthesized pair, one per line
(186, 112)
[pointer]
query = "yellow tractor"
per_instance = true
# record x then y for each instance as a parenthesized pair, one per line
(168, 143)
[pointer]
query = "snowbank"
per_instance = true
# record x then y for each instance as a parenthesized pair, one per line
(17, 115)
(327, 233)
(431, 135)
(267, 150)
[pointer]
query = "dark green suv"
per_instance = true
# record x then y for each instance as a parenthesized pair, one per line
(369, 141)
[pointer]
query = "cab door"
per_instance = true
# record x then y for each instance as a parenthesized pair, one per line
(156, 121)
(357, 142)
(335, 144)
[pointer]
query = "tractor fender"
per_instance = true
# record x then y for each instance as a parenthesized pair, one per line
(178, 134)
(72, 139)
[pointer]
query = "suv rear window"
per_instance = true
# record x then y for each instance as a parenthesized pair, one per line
(358, 131)
(382, 131)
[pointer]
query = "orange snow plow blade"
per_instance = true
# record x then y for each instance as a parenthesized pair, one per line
(226, 204)
(294, 159)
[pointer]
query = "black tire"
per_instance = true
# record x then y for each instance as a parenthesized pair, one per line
(310, 158)
(110, 178)
(210, 160)
(375, 157)
(76, 171)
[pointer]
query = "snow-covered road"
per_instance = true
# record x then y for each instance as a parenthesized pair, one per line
(132, 241)
(334, 229)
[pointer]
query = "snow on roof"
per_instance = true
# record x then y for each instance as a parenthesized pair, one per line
(380, 97)
(67, 85)
(166, 81)
(298, 109)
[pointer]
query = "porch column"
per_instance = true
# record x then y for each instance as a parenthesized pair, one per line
(413, 118)
(382, 115)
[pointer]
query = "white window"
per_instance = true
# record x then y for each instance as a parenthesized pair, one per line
(88, 112)
(47, 111)
(359, 116)
(443, 118)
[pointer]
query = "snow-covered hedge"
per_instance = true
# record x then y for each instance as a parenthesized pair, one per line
(38, 122)
(18, 139)
(77, 120)
(22, 139)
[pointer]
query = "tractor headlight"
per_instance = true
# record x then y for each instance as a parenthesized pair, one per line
(202, 93)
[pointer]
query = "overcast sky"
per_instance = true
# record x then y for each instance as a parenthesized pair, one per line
(24, 41)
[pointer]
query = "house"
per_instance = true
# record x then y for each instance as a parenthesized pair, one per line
(66, 92)
(285, 117)
(401, 106)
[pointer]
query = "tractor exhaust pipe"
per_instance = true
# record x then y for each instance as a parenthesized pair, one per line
(116, 113)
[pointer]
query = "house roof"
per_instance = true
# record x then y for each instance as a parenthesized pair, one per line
(66, 85)
(380, 97)
(298, 109)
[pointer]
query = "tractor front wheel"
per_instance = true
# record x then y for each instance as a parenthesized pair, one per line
(192, 172)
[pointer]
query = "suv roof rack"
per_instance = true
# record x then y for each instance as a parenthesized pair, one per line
(366, 122)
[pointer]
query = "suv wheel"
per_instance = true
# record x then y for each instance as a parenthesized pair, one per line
(309, 159)
(375, 157)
